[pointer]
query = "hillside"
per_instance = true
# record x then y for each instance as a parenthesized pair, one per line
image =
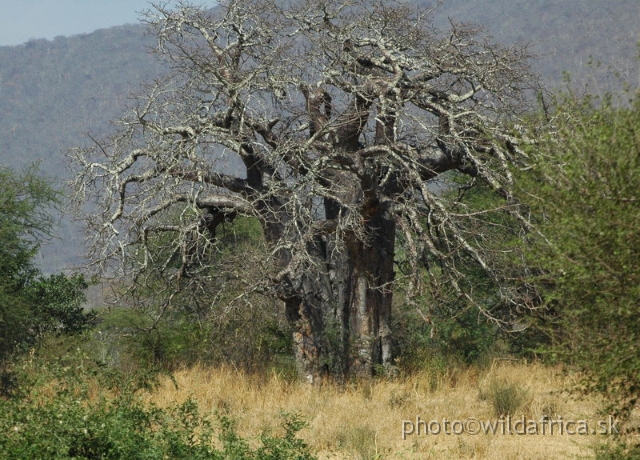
(53, 92)
(565, 35)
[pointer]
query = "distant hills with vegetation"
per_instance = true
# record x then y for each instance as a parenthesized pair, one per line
(565, 35)
(52, 93)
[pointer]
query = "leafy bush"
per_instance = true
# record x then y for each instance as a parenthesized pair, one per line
(31, 304)
(252, 339)
(585, 188)
(71, 409)
(56, 304)
(24, 197)
(618, 452)
(462, 338)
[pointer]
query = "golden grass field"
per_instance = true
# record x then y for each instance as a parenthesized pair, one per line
(364, 421)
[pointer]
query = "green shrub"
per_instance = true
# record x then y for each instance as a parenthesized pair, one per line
(58, 415)
(32, 305)
(584, 188)
(451, 339)
(249, 339)
(287, 446)
(618, 452)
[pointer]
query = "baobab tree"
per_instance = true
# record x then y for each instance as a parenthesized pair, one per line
(327, 121)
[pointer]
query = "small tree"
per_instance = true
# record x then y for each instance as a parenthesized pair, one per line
(31, 304)
(329, 121)
(585, 186)
(24, 220)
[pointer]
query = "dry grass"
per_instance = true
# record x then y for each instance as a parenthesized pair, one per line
(364, 421)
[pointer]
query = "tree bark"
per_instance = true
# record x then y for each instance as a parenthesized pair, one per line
(341, 322)
(371, 295)
(342, 326)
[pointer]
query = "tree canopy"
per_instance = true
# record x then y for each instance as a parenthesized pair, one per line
(331, 122)
(584, 188)
(24, 198)
(31, 304)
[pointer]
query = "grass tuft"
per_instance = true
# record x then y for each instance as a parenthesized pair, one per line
(506, 398)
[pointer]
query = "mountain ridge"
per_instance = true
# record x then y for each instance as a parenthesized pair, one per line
(54, 92)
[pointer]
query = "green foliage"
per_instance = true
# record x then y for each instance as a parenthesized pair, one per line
(284, 447)
(31, 304)
(69, 408)
(585, 187)
(55, 303)
(39, 306)
(492, 320)
(615, 451)
(288, 446)
(124, 428)
(462, 337)
(206, 321)
(115, 430)
(25, 199)
(134, 336)
(249, 339)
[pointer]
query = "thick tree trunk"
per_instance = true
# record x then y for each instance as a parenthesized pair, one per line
(342, 319)
(347, 330)
(371, 295)
(307, 339)
(310, 321)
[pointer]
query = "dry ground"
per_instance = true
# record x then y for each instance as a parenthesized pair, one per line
(364, 421)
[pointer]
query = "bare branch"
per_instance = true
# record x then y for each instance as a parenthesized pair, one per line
(339, 126)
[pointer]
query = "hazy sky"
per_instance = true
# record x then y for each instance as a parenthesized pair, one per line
(21, 20)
